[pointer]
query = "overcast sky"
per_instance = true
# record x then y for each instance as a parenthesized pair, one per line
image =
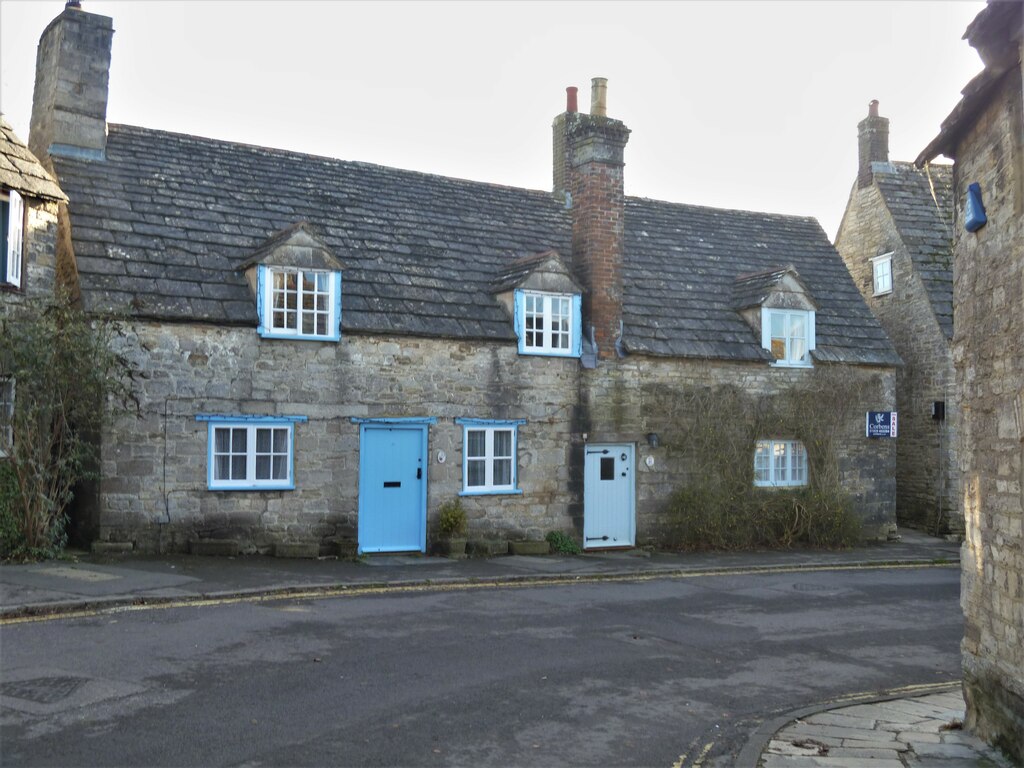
(750, 105)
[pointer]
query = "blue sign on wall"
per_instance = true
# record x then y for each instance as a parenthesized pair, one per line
(881, 424)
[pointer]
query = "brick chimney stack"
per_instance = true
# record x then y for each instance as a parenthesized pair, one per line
(872, 144)
(69, 107)
(588, 153)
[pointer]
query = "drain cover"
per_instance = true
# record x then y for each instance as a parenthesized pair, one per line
(43, 690)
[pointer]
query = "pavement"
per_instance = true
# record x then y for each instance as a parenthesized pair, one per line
(829, 734)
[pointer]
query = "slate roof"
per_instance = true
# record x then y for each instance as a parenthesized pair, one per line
(162, 225)
(925, 224)
(21, 171)
(751, 289)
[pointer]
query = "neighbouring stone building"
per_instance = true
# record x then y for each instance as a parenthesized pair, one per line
(29, 200)
(984, 135)
(333, 349)
(896, 238)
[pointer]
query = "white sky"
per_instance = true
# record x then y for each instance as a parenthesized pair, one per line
(750, 105)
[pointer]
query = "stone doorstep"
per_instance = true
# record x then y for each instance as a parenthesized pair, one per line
(801, 761)
(529, 547)
(111, 547)
(214, 547)
(308, 550)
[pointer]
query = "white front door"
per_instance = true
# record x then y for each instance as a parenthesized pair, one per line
(609, 496)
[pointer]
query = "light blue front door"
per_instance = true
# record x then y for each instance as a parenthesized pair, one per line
(392, 488)
(609, 496)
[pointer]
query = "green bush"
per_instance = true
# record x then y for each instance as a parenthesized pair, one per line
(451, 519)
(11, 539)
(703, 518)
(563, 543)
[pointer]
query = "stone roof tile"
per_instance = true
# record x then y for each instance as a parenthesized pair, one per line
(423, 253)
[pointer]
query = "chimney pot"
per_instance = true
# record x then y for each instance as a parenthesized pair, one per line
(73, 4)
(571, 102)
(599, 96)
(873, 108)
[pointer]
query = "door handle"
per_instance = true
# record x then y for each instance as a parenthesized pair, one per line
(419, 473)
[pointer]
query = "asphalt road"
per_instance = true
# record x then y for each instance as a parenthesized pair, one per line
(592, 674)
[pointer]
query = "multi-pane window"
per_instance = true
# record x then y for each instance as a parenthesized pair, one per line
(489, 456)
(548, 323)
(788, 335)
(300, 304)
(253, 453)
(881, 268)
(12, 219)
(780, 463)
(6, 415)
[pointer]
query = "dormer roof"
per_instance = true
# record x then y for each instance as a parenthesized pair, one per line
(295, 246)
(545, 271)
(21, 171)
(755, 289)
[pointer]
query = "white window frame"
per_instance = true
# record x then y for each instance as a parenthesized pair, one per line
(250, 426)
(780, 464)
(269, 291)
(881, 266)
(788, 360)
(489, 428)
(7, 395)
(14, 255)
(569, 323)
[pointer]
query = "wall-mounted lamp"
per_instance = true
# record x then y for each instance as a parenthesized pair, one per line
(653, 440)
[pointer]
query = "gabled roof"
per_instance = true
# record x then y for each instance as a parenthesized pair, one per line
(163, 224)
(751, 289)
(21, 171)
(296, 246)
(519, 270)
(920, 201)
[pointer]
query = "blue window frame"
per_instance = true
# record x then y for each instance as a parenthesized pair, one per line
(548, 323)
(298, 303)
(489, 450)
(247, 453)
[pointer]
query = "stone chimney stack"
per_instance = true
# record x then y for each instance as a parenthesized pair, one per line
(588, 153)
(872, 144)
(69, 107)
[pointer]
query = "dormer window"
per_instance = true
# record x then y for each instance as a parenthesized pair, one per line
(297, 284)
(548, 323)
(788, 334)
(300, 304)
(12, 222)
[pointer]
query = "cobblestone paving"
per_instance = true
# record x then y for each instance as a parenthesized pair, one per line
(903, 733)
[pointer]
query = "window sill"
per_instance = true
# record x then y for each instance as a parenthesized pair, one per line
(882, 293)
(494, 492)
(547, 353)
(779, 486)
(251, 488)
(777, 364)
(264, 334)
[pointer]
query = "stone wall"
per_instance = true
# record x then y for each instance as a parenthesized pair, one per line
(927, 477)
(154, 468)
(39, 261)
(989, 358)
(634, 397)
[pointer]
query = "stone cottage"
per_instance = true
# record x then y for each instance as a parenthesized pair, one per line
(333, 349)
(29, 200)
(984, 134)
(896, 239)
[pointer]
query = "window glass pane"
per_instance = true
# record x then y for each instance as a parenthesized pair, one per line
(308, 323)
(503, 442)
(262, 467)
(798, 350)
(238, 467)
(221, 440)
(503, 472)
(280, 471)
(778, 324)
(222, 468)
(238, 440)
(321, 325)
(778, 348)
(779, 453)
(608, 468)
(263, 440)
(797, 326)
(476, 442)
(475, 471)
(280, 441)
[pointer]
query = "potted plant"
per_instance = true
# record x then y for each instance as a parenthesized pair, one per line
(451, 525)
